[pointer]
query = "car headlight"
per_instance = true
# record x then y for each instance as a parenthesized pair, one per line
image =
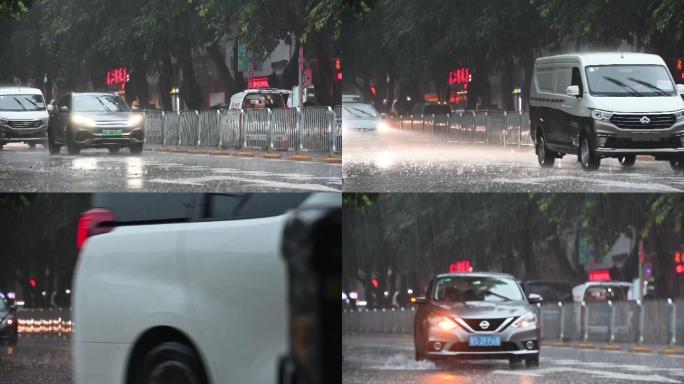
(444, 323)
(82, 120)
(135, 120)
(600, 115)
(526, 321)
(383, 127)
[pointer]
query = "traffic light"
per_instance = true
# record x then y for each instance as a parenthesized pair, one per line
(375, 282)
(32, 283)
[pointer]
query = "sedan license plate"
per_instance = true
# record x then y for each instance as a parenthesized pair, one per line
(484, 341)
(112, 132)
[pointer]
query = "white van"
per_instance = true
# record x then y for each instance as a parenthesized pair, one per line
(598, 105)
(23, 116)
(260, 98)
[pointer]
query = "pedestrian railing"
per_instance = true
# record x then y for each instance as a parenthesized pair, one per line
(473, 127)
(287, 129)
(650, 322)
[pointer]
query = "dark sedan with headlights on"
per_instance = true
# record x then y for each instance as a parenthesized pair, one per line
(94, 120)
(477, 316)
(9, 327)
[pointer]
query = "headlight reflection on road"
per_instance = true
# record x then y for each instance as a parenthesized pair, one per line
(384, 159)
(85, 163)
(445, 378)
(134, 172)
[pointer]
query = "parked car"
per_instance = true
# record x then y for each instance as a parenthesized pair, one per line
(260, 98)
(477, 316)
(601, 291)
(187, 286)
(9, 325)
(95, 120)
(599, 105)
(23, 116)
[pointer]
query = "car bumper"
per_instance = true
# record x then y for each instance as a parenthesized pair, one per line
(94, 138)
(455, 344)
(613, 141)
(9, 134)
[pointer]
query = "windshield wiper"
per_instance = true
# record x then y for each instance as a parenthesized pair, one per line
(649, 85)
(362, 111)
(501, 296)
(34, 104)
(623, 85)
(20, 104)
(103, 104)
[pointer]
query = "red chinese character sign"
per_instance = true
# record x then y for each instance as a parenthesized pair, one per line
(258, 82)
(460, 77)
(118, 76)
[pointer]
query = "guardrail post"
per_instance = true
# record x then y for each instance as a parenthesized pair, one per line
(163, 129)
(611, 322)
(269, 135)
(673, 323)
(331, 136)
(585, 321)
(243, 136)
(218, 129)
(505, 128)
(434, 121)
(179, 128)
(520, 129)
(197, 132)
(561, 331)
(640, 324)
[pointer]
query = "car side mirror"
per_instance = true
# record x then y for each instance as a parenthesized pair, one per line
(50, 108)
(680, 89)
(573, 91)
(533, 298)
(419, 300)
(64, 108)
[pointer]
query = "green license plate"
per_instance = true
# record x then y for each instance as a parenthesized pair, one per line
(112, 132)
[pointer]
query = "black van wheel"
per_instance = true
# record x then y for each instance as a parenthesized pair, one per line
(544, 156)
(170, 362)
(113, 150)
(590, 161)
(72, 147)
(627, 160)
(677, 165)
(136, 149)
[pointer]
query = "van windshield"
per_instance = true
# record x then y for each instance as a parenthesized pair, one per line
(629, 81)
(20, 103)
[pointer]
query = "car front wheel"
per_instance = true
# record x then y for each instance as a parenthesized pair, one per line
(627, 160)
(136, 149)
(677, 165)
(170, 362)
(590, 161)
(532, 362)
(544, 156)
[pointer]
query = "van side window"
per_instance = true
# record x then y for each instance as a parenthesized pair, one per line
(545, 80)
(235, 206)
(577, 79)
(562, 80)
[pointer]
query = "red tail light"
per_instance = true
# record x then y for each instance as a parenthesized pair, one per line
(94, 222)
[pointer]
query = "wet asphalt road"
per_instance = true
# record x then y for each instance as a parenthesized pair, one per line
(36, 361)
(389, 360)
(388, 162)
(95, 170)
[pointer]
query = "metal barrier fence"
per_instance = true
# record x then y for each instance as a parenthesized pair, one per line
(289, 129)
(38, 321)
(650, 322)
(475, 127)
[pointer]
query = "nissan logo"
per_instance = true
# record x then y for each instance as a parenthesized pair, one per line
(484, 324)
(645, 120)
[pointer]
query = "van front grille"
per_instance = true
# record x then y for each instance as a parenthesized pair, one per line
(25, 123)
(643, 121)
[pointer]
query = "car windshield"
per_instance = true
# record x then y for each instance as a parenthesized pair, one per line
(100, 103)
(263, 100)
(18, 103)
(476, 288)
(603, 293)
(629, 81)
(359, 111)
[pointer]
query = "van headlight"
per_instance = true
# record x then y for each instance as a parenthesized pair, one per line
(4, 121)
(679, 116)
(526, 321)
(597, 114)
(82, 121)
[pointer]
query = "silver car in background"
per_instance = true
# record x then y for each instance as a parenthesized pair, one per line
(477, 316)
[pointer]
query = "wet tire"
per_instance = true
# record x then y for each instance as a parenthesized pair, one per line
(677, 165)
(72, 147)
(113, 150)
(136, 149)
(627, 160)
(545, 157)
(588, 158)
(514, 362)
(32, 146)
(532, 362)
(170, 362)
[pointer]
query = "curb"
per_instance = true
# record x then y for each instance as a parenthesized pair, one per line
(611, 347)
(640, 349)
(267, 156)
(561, 344)
(672, 351)
(585, 346)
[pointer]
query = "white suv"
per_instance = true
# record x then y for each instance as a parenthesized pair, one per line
(184, 286)
(23, 116)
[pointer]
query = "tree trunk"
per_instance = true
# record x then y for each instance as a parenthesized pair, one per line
(165, 75)
(223, 70)
(507, 82)
(190, 93)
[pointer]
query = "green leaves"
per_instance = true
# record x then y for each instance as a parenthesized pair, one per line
(14, 8)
